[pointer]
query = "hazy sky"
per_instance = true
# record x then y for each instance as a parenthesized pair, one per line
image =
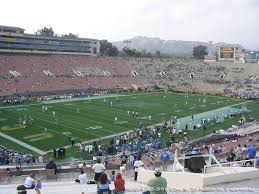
(233, 21)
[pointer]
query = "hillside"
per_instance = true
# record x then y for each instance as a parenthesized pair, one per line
(171, 47)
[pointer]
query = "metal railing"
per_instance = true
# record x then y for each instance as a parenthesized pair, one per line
(176, 162)
(241, 163)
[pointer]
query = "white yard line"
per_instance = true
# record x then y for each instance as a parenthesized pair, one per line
(236, 104)
(15, 106)
(22, 144)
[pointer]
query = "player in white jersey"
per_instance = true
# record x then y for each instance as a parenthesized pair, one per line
(45, 132)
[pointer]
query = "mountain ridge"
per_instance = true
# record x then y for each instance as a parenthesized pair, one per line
(170, 47)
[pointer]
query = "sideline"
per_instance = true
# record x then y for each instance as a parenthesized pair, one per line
(76, 99)
(80, 99)
(22, 144)
(96, 97)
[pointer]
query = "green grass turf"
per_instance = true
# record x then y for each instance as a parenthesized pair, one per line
(96, 112)
(13, 146)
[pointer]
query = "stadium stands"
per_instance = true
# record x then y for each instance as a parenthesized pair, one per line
(188, 75)
(22, 73)
(53, 73)
(9, 157)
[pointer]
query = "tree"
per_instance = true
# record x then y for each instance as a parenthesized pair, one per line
(46, 32)
(199, 52)
(158, 54)
(113, 51)
(131, 52)
(143, 53)
(70, 36)
(149, 55)
(107, 49)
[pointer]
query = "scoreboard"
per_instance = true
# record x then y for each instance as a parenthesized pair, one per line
(227, 52)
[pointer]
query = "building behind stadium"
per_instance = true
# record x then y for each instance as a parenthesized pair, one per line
(14, 40)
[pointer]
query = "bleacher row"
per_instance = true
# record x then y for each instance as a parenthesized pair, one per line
(37, 73)
(214, 78)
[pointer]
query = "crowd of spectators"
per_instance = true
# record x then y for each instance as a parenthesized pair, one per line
(53, 73)
(151, 140)
(225, 149)
(11, 157)
(206, 77)
(231, 149)
(14, 100)
(32, 74)
(139, 140)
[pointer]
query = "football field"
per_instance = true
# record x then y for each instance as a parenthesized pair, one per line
(50, 125)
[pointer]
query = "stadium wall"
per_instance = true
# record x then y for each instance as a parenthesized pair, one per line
(210, 58)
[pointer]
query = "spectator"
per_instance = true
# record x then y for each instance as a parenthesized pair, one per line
(123, 169)
(21, 189)
(119, 184)
(85, 168)
(51, 165)
(138, 163)
(18, 161)
(134, 159)
(30, 181)
(103, 184)
(98, 169)
(82, 178)
(113, 176)
(244, 150)
(124, 158)
(38, 187)
(165, 159)
(251, 152)
(158, 184)
(257, 161)
(239, 152)
(231, 155)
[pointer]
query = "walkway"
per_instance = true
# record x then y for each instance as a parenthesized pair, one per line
(70, 187)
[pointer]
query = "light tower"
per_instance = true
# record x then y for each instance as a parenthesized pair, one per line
(127, 42)
(210, 49)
